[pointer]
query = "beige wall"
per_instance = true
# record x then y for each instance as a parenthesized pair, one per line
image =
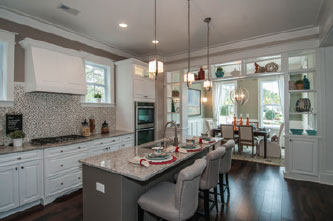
(24, 31)
(206, 108)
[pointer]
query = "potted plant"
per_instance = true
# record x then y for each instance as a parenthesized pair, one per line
(17, 137)
(219, 72)
(98, 97)
(299, 85)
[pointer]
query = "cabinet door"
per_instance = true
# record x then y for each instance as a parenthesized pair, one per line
(9, 197)
(149, 88)
(30, 176)
(139, 87)
(304, 156)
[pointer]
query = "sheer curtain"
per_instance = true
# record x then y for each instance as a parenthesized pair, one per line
(280, 80)
(218, 95)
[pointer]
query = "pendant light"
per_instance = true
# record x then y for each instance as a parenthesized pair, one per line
(207, 84)
(188, 77)
(155, 66)
(239, 96)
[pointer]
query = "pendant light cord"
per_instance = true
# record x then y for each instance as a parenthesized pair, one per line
(155, 45)
(208, 68)
(189, 41)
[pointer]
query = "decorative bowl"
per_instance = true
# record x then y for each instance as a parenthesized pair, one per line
(297, 131)
(311, 132)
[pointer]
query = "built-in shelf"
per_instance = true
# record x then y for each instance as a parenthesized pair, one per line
(303, 135)
(172, 112)
(302, 91)
(302, 71)
(301, 113)
(245, 76)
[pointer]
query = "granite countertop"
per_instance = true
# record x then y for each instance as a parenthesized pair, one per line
(29, 147)
(118, 162)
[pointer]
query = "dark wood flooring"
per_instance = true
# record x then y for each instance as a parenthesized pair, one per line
(258, 192)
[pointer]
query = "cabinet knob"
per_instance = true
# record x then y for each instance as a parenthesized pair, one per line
(22, 167)
(15, 168)
(19, 158)
(290, 140)
(79, 178)
(61, 165)
(101, 142)
(145, 96)
(79, 147)
(61, 151)
(61, 183)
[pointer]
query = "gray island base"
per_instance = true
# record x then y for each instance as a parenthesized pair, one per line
(112, 185)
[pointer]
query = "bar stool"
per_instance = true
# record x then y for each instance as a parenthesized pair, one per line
(209, 178)
(225, 167)
(171, 201)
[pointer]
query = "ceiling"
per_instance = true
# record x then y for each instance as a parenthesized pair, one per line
(232, 20)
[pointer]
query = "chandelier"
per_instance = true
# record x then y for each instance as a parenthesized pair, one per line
(239, 96)
(207, 84)
(155, 66)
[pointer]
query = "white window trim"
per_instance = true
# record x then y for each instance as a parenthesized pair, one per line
(261, 82)
(110, 80)
(9, 39)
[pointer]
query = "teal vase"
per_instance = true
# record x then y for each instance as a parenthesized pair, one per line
(219, 73)
(306, 83)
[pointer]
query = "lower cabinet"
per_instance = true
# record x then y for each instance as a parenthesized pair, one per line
(20, 184)
(303, 155)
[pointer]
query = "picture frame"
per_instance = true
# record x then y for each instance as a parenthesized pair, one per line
(194, 102)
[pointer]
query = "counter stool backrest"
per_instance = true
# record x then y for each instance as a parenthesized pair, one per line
(225, 165)
(210, 176)
(187, 188)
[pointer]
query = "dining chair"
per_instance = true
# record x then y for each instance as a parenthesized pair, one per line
(246, 138)
(227, 132)
(210, 126)
(209, 179)
(273, 145)
(171, 201)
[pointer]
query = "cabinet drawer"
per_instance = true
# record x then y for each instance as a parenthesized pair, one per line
(105, 141)
(58, 151)
(58, 165)
(128, 137)
(127, 144)
(62, 183)
(15, 158)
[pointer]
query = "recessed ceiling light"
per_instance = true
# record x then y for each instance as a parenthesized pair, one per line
(155, 41)
(123, 25)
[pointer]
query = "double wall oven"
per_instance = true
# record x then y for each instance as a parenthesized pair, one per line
(144, 122)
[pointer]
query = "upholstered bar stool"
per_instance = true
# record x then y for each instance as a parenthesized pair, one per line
(171, 201)
(209, 178)
(225, 167)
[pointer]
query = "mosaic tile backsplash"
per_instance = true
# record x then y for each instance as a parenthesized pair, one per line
(49, 115)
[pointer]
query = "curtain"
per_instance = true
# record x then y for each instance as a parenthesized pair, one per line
(281, 92)
(218, 96)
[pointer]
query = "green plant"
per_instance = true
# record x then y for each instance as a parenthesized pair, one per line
(16, 134)
(97, 95)
(270, 115)
(219, 68)
(299, 82)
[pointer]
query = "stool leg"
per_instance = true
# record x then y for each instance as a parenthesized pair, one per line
(221, 188)
(140, 213)
(206, 204)
(215, 198)
(227, 182)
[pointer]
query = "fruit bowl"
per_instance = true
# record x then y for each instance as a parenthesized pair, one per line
(297, 131)
(311, 132)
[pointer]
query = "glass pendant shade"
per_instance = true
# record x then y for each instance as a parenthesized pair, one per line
(191, 78)
(207, 84)
(239, 96)
(152, 66)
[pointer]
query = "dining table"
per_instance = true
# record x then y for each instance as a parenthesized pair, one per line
(256, 132)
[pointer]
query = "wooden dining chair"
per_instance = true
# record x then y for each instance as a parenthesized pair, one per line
(246, 138)
(227, 132)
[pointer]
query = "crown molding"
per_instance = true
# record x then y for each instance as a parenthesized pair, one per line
(46, 26)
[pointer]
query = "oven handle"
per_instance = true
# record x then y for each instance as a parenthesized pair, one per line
(146, 107)
(150, 128)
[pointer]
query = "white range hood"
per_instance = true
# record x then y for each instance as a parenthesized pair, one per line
(50, 68)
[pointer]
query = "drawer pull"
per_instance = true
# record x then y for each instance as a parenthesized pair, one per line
(79, 178)
(22, 167)
(79, 147)
(61, 183)
(102, 143)
(61, 165)
(19, 158)
(61, 151)
(15, 168)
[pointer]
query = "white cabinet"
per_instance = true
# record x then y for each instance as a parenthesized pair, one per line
(30, 180)
(20, 179)
(9, 194)
(144, 88)
(303, 155)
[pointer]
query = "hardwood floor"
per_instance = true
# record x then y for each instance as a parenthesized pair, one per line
(258, 192)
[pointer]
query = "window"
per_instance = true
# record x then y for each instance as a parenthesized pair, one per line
(270, 106)
(7, 42)
(227, 108)
(97, 81)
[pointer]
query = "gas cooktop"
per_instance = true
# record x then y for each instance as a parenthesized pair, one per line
(54, 140)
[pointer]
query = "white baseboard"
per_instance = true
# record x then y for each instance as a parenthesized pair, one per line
(19, 209)
(301, 177)
(326, 178)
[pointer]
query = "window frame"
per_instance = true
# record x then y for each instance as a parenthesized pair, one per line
(107, 64)
(261, 105)
(7, 87)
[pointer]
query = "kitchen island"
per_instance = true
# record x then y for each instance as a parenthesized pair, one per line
(112, 185)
